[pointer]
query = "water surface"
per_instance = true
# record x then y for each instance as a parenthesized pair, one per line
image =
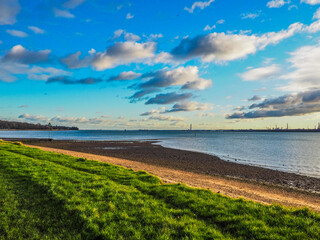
(286, 151)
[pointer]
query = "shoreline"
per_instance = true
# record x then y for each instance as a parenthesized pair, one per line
(231, 187)
(196, 162)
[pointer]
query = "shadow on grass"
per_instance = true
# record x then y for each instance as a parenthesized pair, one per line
(38, 210)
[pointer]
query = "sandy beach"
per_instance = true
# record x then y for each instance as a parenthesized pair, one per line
(198, 170)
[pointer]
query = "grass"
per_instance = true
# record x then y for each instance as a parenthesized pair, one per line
(45, 195)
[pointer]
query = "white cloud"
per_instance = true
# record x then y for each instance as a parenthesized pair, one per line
(277, 3)
(292, 7)
(209, 28)
(190, 107)
(311, 2)
(8, 11)
(21, 55)
(221, 47)
(62, 13)
(73, 61)
(127, 36)
(166, 118)
(92, 51)
(305, 75)
(9, 72)
(131, 37)
(153, 112)
(72, 3)
(120, 53)
(129, 16)
(249, 15)
(33, 118)
(294, 104)
(17, 33)
(117, 33)
(187, 77)
(36, 30)
(316, 15)
(44, 73)
(79, 120)
(123, 53)
(262, 73)
(221, 21)
(155, 36)
(201, 5)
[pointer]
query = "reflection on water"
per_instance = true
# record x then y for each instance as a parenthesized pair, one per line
(292, 152)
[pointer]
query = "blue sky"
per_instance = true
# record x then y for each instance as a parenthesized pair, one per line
(218, 64)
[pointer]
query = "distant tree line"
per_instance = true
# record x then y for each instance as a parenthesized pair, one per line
(30, 126)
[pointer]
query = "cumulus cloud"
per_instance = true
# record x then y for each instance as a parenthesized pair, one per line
(262, 73)
(201, 5)
(255, 98)
(123, 53)
(131, 37)
(305, 75)
(70, 81)
(167, 98)
(294, 104)
(189, 107)
(73, 61)
(8, 11)
(187, 77)
(127, 35)
(19, 54)
(311, 2)
(277, 3)
(119, 53)
(33, 118)
(36, 30)
(221, 47)
(316, 15)
(17, 33)
(130, 75)
(62, 13)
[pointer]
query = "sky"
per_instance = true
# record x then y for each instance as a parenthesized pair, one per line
(215, 64)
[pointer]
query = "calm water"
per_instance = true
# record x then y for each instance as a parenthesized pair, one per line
(291, 152)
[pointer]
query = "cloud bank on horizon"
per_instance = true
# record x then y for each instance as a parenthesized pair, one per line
(195, 61)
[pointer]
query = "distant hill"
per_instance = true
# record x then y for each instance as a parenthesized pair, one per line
(29, 126)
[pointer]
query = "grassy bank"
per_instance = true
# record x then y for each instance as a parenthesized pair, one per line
(45, 195)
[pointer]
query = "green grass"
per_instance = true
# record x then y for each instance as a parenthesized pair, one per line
(45, 195)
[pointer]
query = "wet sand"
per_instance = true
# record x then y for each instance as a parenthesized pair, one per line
(197, 169)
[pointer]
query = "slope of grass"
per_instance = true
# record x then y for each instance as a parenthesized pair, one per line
(45, 195)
